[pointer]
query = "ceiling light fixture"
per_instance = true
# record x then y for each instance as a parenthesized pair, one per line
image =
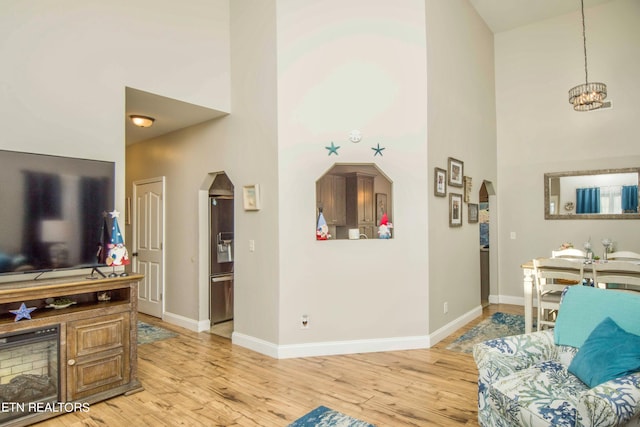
(587, 96)
(142, 121)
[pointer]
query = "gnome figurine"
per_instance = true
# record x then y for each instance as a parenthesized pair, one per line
(384, 230)
(117, 254)
(322, 231)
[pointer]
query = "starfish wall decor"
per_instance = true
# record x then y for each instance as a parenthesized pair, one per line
(378, 150)
(333, 149)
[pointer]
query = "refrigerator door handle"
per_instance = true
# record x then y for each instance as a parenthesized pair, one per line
(221, 278)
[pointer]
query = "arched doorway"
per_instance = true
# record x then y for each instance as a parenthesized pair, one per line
(485, 254)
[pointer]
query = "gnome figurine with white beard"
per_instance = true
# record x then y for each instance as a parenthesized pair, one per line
(117, 254)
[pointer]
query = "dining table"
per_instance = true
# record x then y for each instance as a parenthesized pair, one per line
(528, 283)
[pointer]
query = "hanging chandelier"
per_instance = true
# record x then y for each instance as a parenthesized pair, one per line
(587, 96)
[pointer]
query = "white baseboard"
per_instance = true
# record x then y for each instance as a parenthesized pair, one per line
(454, 325)
(331, 348)
(255, 344)
(204, 325)
(508, 299)
(187, 323)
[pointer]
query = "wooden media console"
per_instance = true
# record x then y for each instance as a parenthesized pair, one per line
(97, 334)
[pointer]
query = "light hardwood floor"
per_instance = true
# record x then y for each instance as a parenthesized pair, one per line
(200, 379)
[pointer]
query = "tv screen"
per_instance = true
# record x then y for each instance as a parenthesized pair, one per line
(52, 211)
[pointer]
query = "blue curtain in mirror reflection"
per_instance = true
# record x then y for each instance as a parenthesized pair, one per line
(630, 198)
(587, 200)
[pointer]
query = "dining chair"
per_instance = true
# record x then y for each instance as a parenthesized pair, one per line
(571, 253)
(619, 276)
(552, 275)
(623, 256)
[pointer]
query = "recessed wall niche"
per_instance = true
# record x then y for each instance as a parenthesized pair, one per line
(354, 196)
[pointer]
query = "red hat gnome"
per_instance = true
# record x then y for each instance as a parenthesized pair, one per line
(384, 230)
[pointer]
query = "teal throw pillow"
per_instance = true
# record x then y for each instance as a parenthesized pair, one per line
(608, 353)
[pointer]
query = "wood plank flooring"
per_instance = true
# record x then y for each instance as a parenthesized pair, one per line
(200, 379)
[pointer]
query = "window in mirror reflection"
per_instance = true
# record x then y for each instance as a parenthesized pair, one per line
(354, 201)
(615, 193)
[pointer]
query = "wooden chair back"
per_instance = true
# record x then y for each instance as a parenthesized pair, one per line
(552, 275)
(625, 275)
(556, 273)
(571, 253)
(624, 256)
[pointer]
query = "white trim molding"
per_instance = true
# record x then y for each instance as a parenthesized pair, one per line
(332, 348)
(187, 323)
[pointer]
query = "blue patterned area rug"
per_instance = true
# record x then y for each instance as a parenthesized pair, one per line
(497, 326)
(148, 333)
(325, 417)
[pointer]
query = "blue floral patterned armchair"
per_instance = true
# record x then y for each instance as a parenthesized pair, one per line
(584, 372)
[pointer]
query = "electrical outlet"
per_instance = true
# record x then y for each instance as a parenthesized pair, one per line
(304, 322)
(446, 307)
(252, 245)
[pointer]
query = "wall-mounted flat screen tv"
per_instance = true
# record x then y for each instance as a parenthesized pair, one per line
(52, 211)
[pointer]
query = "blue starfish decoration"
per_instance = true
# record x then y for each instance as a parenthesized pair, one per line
(377, 150)
(23, 312)
(332, 149)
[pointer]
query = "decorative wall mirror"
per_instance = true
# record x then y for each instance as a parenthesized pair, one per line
(595, 194)
(354, 199)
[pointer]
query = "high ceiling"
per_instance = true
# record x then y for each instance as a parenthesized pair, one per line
(172, 115)
(504, 15)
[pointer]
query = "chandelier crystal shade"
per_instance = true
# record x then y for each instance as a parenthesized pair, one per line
(587, 96)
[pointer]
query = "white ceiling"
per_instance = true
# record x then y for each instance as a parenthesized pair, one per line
(172, 115)
(504, 15)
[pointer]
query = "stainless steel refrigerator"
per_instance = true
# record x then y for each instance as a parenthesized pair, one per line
(221, 258)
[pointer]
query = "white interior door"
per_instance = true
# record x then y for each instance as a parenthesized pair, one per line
(148, 232)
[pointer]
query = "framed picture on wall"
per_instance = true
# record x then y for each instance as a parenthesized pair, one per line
(251, 197)
(456, 172)
(455, 210)
(467, 188)
(473, 213)
(440, 182)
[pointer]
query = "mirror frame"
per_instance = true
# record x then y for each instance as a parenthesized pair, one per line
(549, 175)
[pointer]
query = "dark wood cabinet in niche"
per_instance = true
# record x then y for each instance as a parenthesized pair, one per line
(330, 197)
(350, 196)
(360, 203)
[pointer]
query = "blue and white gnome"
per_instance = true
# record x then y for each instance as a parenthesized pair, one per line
(117, 254)
(322, 231)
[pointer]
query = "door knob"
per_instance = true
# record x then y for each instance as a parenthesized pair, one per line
(71, 362)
